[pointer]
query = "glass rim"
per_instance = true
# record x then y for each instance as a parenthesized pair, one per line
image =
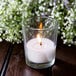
(43, 29)
(45, 17)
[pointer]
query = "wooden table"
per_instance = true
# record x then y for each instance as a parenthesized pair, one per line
(65, 64)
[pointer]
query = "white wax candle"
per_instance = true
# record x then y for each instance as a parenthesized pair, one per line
(40, 53)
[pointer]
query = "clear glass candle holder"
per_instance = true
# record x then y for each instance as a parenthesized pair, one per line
(40, 38)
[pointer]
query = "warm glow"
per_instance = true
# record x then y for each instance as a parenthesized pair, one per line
(39, 35)
(39, 38)
(40, 26)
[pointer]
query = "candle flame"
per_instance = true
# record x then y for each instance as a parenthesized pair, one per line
(40, 26)
(39, 38)
(39, 35)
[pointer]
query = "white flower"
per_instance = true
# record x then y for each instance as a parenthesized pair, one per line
(48, 10)
(50, 4)
(41, 8)
(63, 34)
(26, 1)
(0, 40)
(54, 3)
(72, 14)
(39, 1)
(44, 4)
(57, 14)
(65, 41)
(53, 10)
(37, 13)
(71, 33)
(69, 45)
(66, 23)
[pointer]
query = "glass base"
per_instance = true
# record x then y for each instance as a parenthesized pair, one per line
(40, 65)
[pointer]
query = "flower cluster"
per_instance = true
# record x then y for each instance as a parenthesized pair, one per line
(66, 16)
(12, 13)
(41, 7)
(65, 13)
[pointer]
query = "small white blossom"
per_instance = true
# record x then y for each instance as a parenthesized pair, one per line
(44, 4)
(63, 34)
(62, 5)
(50, 4)
(48, 10)
(40, 1)
(0, 40)
(65, 41)
(41, 8)
(54, 3)
(57, 14)
(69, 45)
(66, 23)
(37, 13)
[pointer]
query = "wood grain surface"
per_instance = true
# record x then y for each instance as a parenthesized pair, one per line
(65, 64)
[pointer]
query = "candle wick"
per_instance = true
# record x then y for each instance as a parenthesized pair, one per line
(41, 43)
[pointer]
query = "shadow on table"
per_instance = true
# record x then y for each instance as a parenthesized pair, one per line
(37, 72)
(62, 68)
